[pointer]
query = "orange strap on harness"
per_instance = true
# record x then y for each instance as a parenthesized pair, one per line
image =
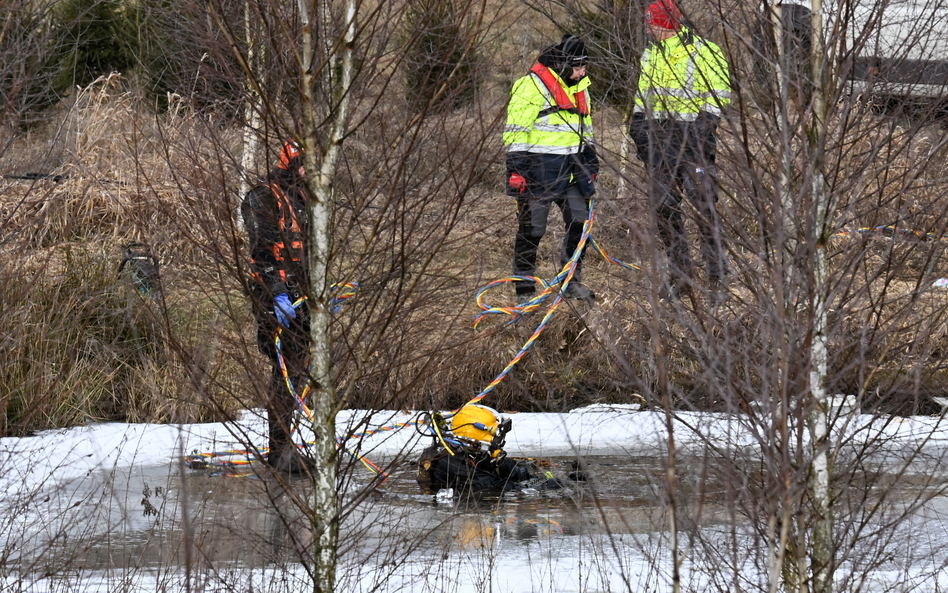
(296, 247)
(564, 102)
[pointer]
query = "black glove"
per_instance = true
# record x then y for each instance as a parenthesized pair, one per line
(590, 160)
(706, 123)
(638, 130)
(519, 474)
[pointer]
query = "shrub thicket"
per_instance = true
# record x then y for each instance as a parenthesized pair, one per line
(172, 58)
(94, 38)
(441, 60)
(79, 344)
(28, 50)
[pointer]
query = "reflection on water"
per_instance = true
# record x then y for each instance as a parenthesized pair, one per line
(160, 519)
(158, 516)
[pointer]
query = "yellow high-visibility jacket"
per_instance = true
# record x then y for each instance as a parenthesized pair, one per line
(682, 76)
(535, 124)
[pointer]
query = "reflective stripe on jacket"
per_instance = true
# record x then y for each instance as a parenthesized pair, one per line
(681, 76)
(538, 123)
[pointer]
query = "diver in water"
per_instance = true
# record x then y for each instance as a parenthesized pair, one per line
(467, 455)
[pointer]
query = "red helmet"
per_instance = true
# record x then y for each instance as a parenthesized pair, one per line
(291, 157)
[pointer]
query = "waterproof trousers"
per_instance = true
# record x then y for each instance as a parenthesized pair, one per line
(681, 162)
(532, 215)
(281, 403)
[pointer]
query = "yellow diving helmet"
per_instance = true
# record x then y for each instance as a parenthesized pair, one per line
(476, 422)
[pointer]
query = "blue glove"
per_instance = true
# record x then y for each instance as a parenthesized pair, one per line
(283, 309)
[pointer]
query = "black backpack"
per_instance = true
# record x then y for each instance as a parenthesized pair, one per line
(142, 268)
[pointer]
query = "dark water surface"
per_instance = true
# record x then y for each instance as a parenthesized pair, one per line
(167, 518)
(148, 516)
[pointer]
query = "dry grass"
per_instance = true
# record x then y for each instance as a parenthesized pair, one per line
(79, 346)
(79, 343)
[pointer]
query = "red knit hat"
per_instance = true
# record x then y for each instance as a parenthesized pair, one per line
(663, 14)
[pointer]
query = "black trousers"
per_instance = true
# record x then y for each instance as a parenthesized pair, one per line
(532, 215)
(281, 404)
(681, 163)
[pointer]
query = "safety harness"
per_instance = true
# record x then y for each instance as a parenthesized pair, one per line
(290, 230)
(563, 100)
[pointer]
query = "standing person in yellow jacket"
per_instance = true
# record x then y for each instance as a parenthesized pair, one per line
(683, 90)
(551, 158)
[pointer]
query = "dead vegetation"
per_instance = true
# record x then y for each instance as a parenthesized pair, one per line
(421, 226)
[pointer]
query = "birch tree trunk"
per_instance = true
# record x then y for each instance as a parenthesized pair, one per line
(320, 185)
(784, 190)
(821, 523)
(672, 483)
(787, 242)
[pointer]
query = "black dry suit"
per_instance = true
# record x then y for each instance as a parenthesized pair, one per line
(468, 469)
(471, 466)
(274, 214)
